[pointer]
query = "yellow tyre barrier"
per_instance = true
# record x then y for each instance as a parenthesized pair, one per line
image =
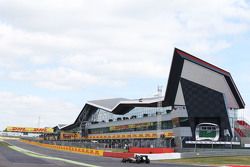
(67, 148)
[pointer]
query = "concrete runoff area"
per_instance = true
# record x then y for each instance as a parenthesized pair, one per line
(25, 155)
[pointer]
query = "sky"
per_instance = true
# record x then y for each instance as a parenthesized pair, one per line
(55, 54)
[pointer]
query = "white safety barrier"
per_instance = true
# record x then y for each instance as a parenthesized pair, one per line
(163, 156)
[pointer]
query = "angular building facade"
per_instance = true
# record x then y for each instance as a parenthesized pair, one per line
(200, 103)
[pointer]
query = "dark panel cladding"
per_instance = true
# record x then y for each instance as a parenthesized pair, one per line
(173, 80)
(200, 100)
(235, 92)
(214, 68)
(203, 102)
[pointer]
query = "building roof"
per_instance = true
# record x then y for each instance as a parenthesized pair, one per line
(107, 104)
(112, 104)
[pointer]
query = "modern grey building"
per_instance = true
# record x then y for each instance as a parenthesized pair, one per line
(200, 102)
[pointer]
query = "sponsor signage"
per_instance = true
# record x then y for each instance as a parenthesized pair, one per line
(66, 136)
(132, 126)
(121, 127)
(130, 136)
(169, 134)
(28, 129)
(68, 148)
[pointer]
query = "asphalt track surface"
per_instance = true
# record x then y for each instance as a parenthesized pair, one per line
(11, 157)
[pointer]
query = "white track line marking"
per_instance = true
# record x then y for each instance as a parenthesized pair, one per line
(37, 155)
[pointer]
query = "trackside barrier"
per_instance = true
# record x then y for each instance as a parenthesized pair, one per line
(150, 150)
(67, 148)
(118, 155)
(163, 156)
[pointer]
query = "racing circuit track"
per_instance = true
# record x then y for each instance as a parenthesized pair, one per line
(25, 155)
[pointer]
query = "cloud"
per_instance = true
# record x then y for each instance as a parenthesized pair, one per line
(61, 45)
(73, 45)
(126, 37)
(24, 110)
(56, 79)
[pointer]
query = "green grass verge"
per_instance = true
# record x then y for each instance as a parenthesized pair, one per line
(3, 144)
(235, 160)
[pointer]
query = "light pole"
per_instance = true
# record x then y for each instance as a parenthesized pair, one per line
(158, 114)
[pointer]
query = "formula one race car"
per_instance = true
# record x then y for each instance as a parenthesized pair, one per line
(137, 159)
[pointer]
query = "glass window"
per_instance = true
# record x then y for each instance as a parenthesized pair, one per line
(138, 112)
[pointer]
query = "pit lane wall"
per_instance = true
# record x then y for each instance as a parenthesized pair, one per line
(67, 148)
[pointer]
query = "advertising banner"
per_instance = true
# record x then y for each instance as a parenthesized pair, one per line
(132, 126)
(125, 136)
(69, 136)
(169, 134)
(29, 129)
